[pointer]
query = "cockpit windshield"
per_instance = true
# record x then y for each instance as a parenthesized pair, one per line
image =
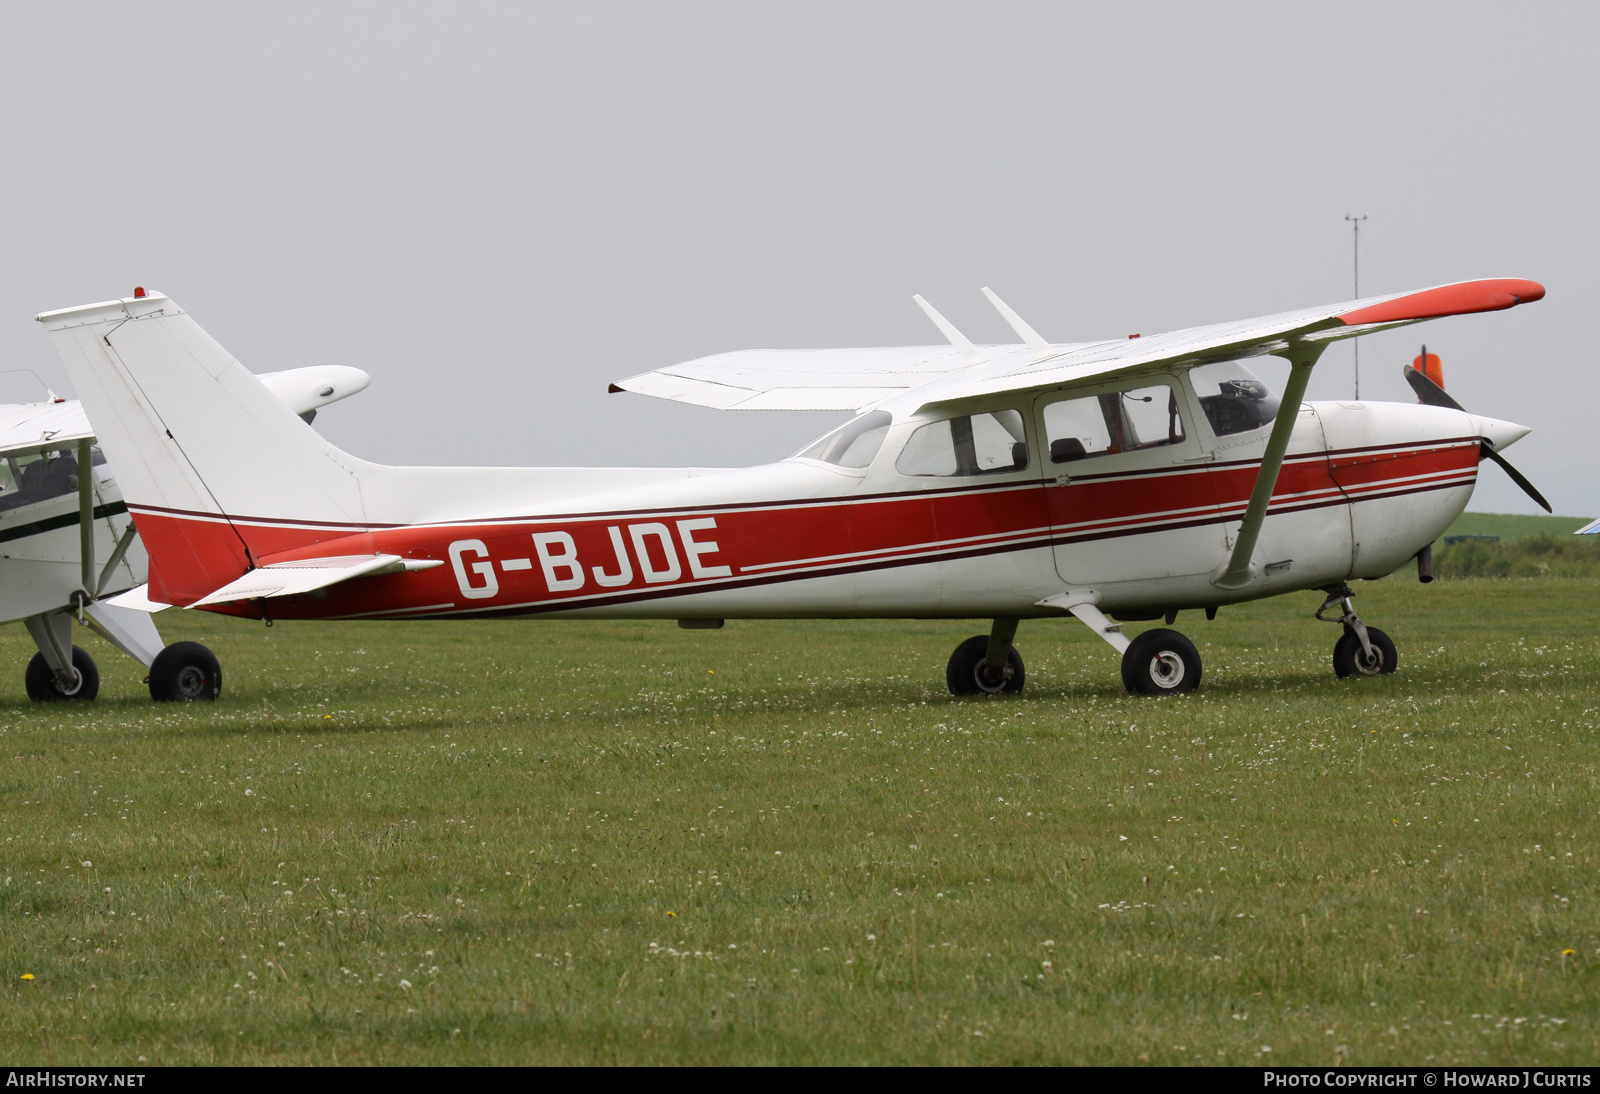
(1234, 399)
(852, 444)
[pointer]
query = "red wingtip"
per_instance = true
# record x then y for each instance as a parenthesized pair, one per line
(1459, 299)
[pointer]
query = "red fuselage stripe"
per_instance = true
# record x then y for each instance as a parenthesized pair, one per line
(557, 563)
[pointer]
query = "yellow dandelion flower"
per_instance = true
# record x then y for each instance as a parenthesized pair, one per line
(1568, 953)
(674, 915)
(27, 976)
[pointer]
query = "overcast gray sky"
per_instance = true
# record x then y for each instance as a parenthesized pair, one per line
(496, 209)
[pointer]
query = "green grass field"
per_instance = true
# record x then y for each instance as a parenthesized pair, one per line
(523, 842)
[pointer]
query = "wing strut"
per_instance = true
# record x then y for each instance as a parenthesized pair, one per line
(1238, 572)
(86, 517)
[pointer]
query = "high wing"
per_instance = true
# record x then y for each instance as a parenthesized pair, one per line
(857, 379)
(306, 390)
(26, 428)
(800, 379)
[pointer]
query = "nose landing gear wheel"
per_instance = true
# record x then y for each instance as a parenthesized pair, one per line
(1349, 659)
(1160, 662)
(185, 671)
(967, 673)
(81, 682)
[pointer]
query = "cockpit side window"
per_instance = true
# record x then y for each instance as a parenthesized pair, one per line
(38, 477)
(853, 444)
(1234, 399)
(1113, 422)
(973, 444)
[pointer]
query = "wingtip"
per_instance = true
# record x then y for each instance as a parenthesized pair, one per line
(1462, 298)
(613, 389)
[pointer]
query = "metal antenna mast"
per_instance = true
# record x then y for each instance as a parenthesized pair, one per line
(1355, 230)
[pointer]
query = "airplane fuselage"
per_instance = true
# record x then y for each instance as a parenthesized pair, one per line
(1364, 488)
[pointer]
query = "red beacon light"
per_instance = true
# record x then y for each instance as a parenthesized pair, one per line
(1428, 364)
(1131, 337)
(138, 292)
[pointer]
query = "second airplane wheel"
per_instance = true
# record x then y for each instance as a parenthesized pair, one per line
(1160, 662)
(967, 674)
(45, 688)
(1349, 659)
(185, 671)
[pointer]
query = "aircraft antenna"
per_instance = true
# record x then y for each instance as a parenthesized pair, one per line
(1355, 343)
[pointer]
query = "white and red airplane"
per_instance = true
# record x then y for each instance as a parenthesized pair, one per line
(1131, 478)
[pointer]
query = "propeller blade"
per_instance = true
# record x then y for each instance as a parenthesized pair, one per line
(1516, 476)
(1432, 394)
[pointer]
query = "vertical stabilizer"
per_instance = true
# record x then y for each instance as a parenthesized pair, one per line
(215, 468)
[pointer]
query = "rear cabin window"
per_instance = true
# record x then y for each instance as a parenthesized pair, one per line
(852, 444)
(974, 444)
(1113, 422)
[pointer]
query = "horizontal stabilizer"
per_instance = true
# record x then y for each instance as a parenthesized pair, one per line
(138, 599)
(309, 574)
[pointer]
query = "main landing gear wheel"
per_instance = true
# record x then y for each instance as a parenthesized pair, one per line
(82, 681)
(185, 671)
(1160, 662)
(1349, 659)
(969, 674)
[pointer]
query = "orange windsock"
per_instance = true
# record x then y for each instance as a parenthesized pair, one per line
(1428, 364)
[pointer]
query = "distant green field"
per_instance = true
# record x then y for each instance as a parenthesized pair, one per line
(1512, 526)
(523, 842)
(1528, 547)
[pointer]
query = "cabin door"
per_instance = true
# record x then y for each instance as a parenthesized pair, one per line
(1127, 489)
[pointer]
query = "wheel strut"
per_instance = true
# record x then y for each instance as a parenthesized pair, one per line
(1339, 596)
(1001, 635)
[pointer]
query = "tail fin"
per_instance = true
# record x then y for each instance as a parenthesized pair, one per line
(216, 470)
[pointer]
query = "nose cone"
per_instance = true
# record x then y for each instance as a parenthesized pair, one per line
(1500, 433)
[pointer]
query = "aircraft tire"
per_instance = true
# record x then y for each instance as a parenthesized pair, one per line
(185, 672)
(966, 675)
(41, 680)
(1349, 659)
(1160, 662)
